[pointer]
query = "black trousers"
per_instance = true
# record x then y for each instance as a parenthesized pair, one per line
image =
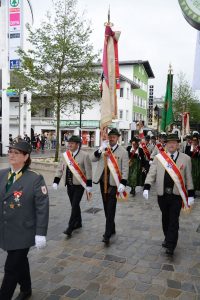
(170, 206)
(109, 204)
(16, 272)
(75, 193)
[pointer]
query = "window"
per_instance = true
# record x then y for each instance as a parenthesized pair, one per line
(127, 115)
(141, 102)
(138, 101)
(120, 114)
(121, 92)
(127, 93)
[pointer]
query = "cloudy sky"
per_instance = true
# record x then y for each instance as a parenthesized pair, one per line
(153, 30)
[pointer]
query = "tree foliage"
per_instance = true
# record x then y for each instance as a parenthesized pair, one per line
(184, 100)
(59, 64)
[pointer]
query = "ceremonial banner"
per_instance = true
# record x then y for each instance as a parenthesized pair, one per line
(167, 115)
(175, 174)
(110, 77)
(185, 123)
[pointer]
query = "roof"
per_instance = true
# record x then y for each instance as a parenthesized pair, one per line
(132, 83)
(145, 63)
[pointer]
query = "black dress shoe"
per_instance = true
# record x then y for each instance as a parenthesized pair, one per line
(164, 244)
(112, 233)
(77, 226)
(106, 240)
(68, 232)
(24, 295)
(170, 251)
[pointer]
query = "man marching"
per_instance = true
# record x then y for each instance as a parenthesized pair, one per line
(77, 168)
(112, 174)
(172, 173)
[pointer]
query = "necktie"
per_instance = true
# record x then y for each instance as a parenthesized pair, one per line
(10, 181)
(172, 156)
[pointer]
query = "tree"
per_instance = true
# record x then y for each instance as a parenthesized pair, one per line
(184, 100)
(60, 62)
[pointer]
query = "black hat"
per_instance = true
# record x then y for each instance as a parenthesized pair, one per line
(153, 137)
(21, 145)
(195, 136)
(114, 131)
(134, 139)
(147, 137)
(75, 139)
(173, 137)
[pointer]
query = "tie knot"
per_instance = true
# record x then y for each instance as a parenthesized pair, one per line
(172, 156)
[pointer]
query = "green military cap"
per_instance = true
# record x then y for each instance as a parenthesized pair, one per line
(75, 139)
(21, 145)
(114, 131)
(173, 137)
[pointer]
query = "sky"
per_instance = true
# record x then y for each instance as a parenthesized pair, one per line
(153, 30)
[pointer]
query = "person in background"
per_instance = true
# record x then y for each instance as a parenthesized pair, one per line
(42, 142)
(136, 165)
(193, 150)
(24, 214)
(27, 138)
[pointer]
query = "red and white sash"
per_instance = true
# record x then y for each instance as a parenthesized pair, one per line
(115, 171)
(175, 174)
(160, 147)
(146, 150)
(75, 169)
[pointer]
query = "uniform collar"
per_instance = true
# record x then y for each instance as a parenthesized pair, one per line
(75, 152)
(175, 154)
(114, 147)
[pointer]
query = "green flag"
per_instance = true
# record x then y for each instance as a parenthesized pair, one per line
(167, 114)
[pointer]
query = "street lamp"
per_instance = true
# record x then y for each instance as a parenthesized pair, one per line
(157, 116)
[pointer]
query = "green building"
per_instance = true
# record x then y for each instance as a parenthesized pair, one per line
(140, 72)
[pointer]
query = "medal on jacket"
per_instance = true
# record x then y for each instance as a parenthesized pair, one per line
(17, 195)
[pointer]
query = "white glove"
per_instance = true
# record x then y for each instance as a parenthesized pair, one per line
(190, 201)
(104, 145)
(89, 189)
(150, 162)
(40, 241)
(146, 194)
(121, 188)
(55, 186)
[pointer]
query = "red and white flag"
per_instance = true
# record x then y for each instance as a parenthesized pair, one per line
(110, 78)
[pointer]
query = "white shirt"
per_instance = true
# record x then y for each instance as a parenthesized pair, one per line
(175, 154)
(75, 152)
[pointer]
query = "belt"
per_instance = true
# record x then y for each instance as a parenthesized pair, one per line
(168, 190)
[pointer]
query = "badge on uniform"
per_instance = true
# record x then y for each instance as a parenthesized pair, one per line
(17, 203)
(44, 189)
(169, 166)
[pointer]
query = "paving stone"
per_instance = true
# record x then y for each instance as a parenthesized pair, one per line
(88, 254)
(89, 295)
(93, 286)
(75, 293)
(167, 267)
(188, 287)
(121, 273)
(141, 287)
(115, 258)
(53, 297)
(172, 293)
(151, 297)
(62, 290)
(173, 284)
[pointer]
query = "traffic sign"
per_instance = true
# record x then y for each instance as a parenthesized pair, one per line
(14, 64)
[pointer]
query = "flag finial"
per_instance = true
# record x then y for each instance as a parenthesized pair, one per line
(109, 14)
(170, 69)
(108, 23)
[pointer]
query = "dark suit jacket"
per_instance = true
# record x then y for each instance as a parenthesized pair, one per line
(20, 224)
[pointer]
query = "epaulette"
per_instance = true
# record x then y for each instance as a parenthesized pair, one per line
(34, 171)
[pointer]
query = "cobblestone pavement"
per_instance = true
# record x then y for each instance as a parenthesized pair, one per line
(134, 266)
